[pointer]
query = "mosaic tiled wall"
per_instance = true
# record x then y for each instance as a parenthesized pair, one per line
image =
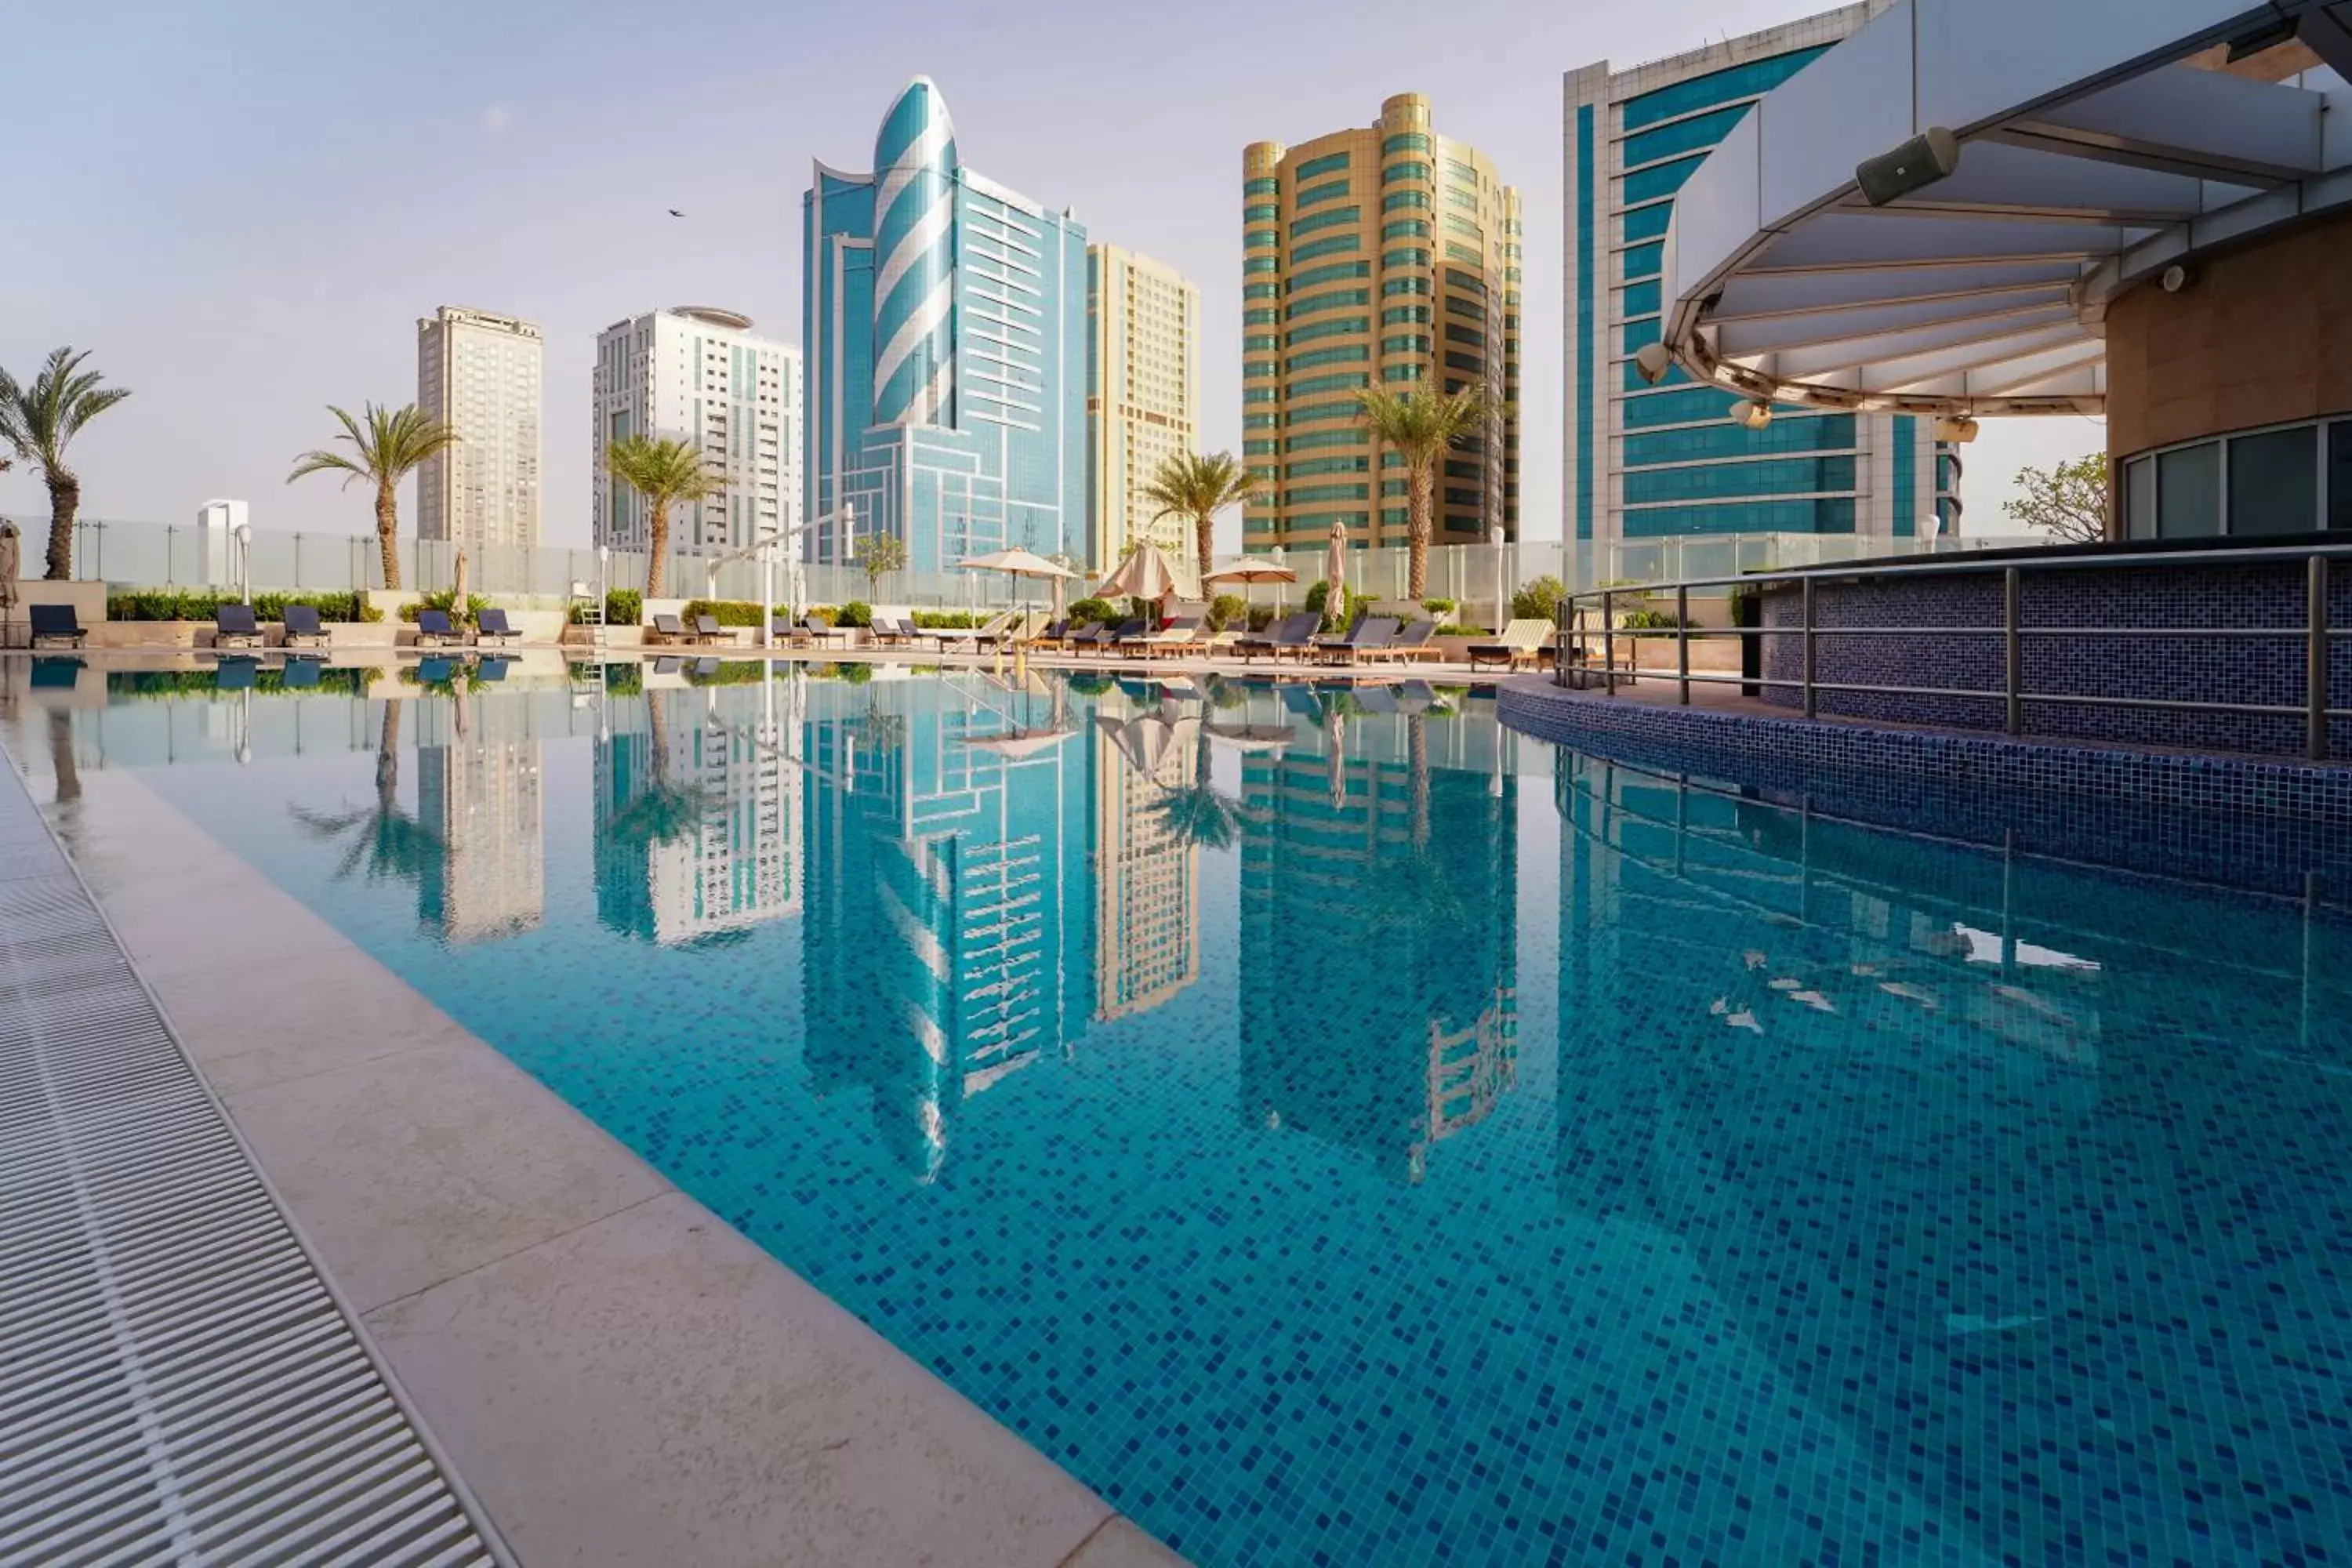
(2243, 822)
(2204, 665)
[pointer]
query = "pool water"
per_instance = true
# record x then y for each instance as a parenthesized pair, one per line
(1341, 1131)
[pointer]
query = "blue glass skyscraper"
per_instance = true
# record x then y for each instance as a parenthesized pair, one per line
(945, 322)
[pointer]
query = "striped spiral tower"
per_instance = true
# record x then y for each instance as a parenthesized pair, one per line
(914, 260)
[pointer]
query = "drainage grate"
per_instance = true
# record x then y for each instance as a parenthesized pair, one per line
(178, 1384)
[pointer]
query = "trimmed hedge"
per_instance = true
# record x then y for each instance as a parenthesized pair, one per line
(857, 612)
(730, 672)
(622, 607)
(198, 605)
(728, 612)
(446, 599)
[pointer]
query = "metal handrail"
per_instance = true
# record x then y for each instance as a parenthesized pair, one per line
(2316, 633)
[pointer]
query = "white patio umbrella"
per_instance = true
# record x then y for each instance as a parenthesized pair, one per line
(1144, 574)
(1251, 569)
(1018, 563)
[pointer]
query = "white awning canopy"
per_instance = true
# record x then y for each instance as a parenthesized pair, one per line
(2090, 158)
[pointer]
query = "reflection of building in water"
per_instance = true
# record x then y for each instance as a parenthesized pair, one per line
(1985, 1159)
(944, 938)
(1379, 936)
(478, 792)
(1146, 878)
(699, 818)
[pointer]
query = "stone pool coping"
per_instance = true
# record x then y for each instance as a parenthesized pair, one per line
(619, 1374)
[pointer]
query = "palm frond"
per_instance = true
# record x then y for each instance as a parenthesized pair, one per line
(387, 443)
(665, 472)
(39, 418)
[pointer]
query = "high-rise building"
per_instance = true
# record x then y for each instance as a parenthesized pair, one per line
(480, 374)
(718, 777)
(1388, 257)
(696, 374)
(945, 322)
(479, 800)
(1650, 462)
(1143, 397)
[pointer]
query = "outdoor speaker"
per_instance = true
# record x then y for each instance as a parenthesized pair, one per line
(1927, 157)
(1652, 362)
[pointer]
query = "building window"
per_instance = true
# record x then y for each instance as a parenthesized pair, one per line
(1331, 247)
(1336, 269)
(1259, 187)
(1693, 135)
(1396, 201)
(1658, 180)
(1750, 80)
(2274, 481)
(1404, 259)
(1316, 196)
(1329, 164)
(1405, 228)
(1405, 142)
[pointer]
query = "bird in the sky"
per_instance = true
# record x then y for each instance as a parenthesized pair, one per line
(675, 213)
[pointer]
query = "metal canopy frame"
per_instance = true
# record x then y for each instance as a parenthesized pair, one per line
(2090, 159)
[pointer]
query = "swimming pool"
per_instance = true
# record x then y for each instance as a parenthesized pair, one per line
(1339, 1131)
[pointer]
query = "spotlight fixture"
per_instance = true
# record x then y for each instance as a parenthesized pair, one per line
(1652, 362)
(1954, 428)
(1927, 157)
(2174, 278)
(1753, 414)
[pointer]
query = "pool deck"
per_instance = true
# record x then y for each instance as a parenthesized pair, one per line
(617, 1375)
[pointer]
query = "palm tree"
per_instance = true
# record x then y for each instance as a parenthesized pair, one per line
(1420, 427)
(389, 443)
(1195, 811)
(665, 473)
(384, 838)
(40, 420)
(1199, 485)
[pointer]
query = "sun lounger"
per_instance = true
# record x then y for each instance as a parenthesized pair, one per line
(492, 668)
(1522, 642)
(1292, 634)
(888, 630)
(1377, 699)
(1412, 643)
(237, 672)
(434, 630)
(55, 622)
(1107, 640)
(302, 626)
(436, 672)
(1370, 634)
(233, 626)
(670, 628)
(492, 622)
(707, 629)
(302, 673)
(1177, 636)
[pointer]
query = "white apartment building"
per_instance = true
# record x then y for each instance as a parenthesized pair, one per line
(696, 373)
(479, 373)
(1143, 397)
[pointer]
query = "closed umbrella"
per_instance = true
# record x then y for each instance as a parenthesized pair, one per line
(1144, 574)
(11, 561)
(458, 591)
(1335, 575)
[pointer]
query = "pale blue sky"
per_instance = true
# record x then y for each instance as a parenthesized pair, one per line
(243, 206)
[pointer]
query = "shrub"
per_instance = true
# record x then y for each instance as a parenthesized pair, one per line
(1539, 599)
(1261, 617)
(625, 680)
(1451, 629)
(198, 605)
(623, 607)
(856, 674)
(1440, 608)
(728, 612)
(947, 620)
(1350, 600)
(1095, 610)
(857, 612)
(1091, 685)
(446, 599)
(730, 672)
(1647, 619)
(1225, 609)
(823, 614)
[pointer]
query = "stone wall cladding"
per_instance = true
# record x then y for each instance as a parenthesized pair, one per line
(2257, 823)
(2268, 671)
